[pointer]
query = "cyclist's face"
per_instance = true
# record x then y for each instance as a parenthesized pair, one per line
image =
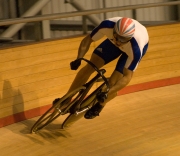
(119, 40)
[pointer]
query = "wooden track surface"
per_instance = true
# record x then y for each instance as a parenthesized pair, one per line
(145, 123)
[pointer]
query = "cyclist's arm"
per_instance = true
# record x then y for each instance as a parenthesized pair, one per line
(84, 46)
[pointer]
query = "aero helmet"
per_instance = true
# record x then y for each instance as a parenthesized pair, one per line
(125, 27)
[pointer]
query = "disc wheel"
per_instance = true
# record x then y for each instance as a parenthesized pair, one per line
(61, 107)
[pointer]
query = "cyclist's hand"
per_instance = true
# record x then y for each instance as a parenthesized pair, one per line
(75, 64)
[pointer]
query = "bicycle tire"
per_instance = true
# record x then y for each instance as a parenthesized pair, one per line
(73, 118)
(55, 111)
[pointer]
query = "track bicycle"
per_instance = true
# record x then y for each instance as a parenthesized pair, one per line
(75, 103)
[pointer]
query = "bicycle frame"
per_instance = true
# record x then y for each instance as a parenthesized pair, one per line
(85, 104)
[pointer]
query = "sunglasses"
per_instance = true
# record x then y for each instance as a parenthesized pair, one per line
(120, 38)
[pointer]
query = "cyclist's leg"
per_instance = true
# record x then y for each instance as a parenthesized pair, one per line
(109, 53)
(103, 54)
(115, 80)
(97, 108)
(85, 72)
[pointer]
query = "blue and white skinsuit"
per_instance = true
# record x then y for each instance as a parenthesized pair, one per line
(131, 53)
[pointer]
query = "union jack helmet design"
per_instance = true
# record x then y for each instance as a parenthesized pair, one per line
(125, 27)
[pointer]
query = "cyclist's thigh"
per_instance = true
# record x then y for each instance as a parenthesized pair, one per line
(107, 51)
(121, 62)
(96, 60)
(118, 72)
(115, 77)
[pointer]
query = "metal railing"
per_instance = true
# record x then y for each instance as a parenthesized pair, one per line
(81, 13)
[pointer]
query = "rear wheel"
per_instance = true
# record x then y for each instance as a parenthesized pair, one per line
(61, 107)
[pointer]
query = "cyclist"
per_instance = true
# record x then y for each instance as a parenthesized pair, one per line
(127, 39)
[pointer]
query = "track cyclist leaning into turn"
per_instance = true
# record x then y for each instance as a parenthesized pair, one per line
(127, 39)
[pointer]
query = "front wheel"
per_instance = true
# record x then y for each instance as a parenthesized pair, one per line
(59, 108)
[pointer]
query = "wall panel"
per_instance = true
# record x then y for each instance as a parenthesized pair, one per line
(148, 15)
